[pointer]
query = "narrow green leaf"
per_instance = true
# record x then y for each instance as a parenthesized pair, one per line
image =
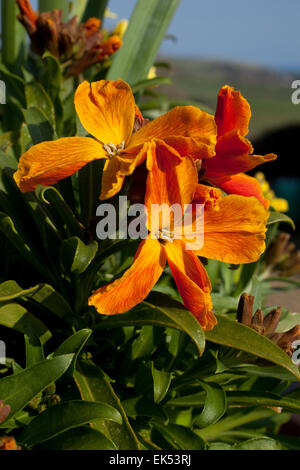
(38, 124)
(233, 334)
(161, 383)
(73, 345)
(179, 436)
(76, 256)
(10, 290)
(150, 83)
(37, 97)
(95, 8)
(18, 390)
(263, 399)
(65, 416)
(94, 385)
(147, 27)
(259, 443)
(276, 217)
(143, 406)
(49, 5)
(16, 317)
(7, 161)
(34, 350)
(215, 405)
(83, 438)
(13, 34)
(78, 8)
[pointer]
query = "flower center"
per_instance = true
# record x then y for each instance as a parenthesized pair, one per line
(163, 235)
(112, 150)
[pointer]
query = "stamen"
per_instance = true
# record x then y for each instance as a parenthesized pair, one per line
(112, 150)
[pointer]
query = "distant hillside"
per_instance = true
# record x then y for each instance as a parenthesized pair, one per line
(269, 92)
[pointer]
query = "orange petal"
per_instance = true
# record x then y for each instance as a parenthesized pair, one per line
(171, 179)
(192, 282)
(49, 162)
(233, 156)
(106, 110)
(236, 232)
(233, 111)
(137, 282)
(186, 128)
(244, 185)
(208, 196)
(114, 173)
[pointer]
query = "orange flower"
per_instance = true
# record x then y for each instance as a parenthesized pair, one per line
(234, 153)
(107, 111)
(8, 443)
(234, 231)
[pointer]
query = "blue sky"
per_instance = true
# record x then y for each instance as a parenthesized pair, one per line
(256, 31)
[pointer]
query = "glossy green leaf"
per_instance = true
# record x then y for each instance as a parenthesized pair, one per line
(215, 405)
(18, 390)
(147, 27)
(258, 398)
(34, 350)
(16, 317)
(76, 256)
(276, 217)
(38, 124)
(10, 290)
(52, 76)
(161, 383)
(7, 161)
(50, 300)
(94, 385)
(143, 406)
(73, 345)
(233, 334)
(37, 97)
(179, 436)
(166, 313)
(259, 443)
(65, 416)
(83, 438)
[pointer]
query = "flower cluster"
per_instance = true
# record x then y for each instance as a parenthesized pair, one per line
(78, 46)
(189, 157)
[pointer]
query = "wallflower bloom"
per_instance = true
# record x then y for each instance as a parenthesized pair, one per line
(107, 111)
(234, 231)
(277, 203)
(234, 153)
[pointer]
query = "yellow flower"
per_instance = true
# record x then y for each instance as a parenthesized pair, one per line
(277, 203)
(121, 28)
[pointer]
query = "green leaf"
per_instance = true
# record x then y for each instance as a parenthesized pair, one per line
(13, 34)
(47, 298)
(63, 417)
(52, 77)
(263, 399)
(39, 125)
(235, 335)
(10, 290)
(145, 344)
(215, 405)
(74, 345)
(14, 85)
(223, 303)
(78, 8)
(16, 317)
(94, 385)
(59, 209)
(161, 383)
(49, 5)
(291, 320)
(276, 217)
(37, 97)
(166, 313)
(18, 390)
(76, 256)
(147, 27)
(179, 436)
(143, 406)
(95, 9)
(83, 438)
(34, 350)
(150, 83)
(7, 161)
(259, 443)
